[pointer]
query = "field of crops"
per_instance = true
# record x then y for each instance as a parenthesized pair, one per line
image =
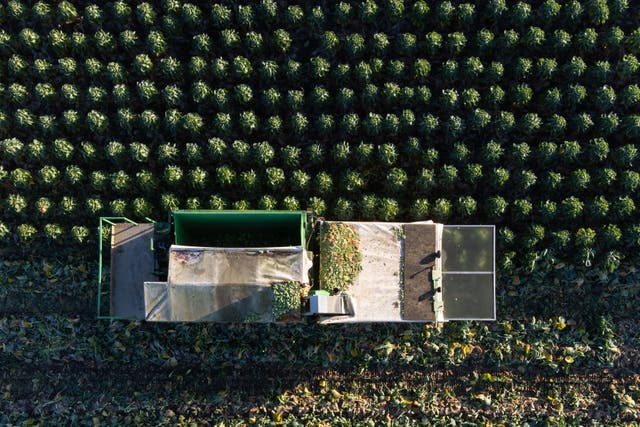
(521, 114)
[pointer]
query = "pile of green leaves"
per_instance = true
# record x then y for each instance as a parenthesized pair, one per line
(286, 299)
(572, 360)
(340, 256)
(508, 371)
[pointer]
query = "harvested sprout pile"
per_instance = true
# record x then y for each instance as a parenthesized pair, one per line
(286, 300)
(340, 257)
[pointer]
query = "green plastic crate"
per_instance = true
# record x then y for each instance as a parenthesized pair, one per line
(214, 228)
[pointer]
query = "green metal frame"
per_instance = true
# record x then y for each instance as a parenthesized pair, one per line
(110, 220)
(238, 218)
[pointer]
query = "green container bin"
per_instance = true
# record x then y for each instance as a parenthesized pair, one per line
(240, 229)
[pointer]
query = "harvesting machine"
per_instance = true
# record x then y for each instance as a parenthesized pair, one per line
(291, 266)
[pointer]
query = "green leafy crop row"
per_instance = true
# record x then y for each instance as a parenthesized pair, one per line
(524, 115)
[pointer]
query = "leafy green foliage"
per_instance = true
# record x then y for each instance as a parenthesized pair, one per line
(340, 256)
(286, 299)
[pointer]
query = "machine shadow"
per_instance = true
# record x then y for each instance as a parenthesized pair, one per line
(581, 294)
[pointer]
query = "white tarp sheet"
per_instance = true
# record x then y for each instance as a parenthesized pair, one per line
(376, 292)
(223, 284)
(196, 303)
(228, 266)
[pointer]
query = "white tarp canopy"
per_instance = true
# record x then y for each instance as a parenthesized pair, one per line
(230, 266)
(223, 284)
